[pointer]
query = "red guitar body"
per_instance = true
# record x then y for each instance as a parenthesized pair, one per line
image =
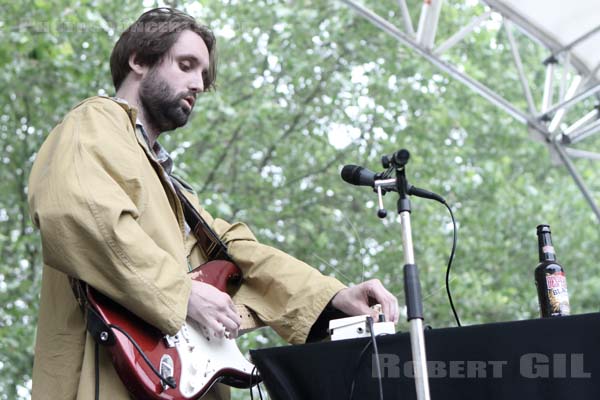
(194, 359)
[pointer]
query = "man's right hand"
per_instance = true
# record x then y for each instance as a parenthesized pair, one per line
(214, 310)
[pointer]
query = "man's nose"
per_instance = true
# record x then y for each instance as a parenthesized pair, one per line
(197, 84)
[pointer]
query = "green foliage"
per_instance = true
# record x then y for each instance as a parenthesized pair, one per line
(304, 88)
(52, 56)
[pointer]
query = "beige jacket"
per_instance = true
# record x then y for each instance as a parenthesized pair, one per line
(109, 216)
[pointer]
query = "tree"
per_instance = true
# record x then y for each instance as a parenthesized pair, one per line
(304, 88)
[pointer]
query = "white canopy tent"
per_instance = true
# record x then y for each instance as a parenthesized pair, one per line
(571, 34)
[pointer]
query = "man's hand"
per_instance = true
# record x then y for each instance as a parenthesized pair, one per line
(355, 300)
(214, 310)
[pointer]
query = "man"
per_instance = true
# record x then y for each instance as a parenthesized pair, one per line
(102, 194)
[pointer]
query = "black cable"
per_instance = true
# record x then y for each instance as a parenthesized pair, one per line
(97, 368)
(170, 381)
(373, 342)
(370, 322)
(450, 265)
(386, 174)
(360, 356)
(259, 391)
(252, 374)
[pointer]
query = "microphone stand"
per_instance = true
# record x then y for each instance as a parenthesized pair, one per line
(412, 286)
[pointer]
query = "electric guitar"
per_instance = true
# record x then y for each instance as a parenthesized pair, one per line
(189, 362)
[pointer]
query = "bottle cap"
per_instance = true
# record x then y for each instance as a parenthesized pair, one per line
(543, 229)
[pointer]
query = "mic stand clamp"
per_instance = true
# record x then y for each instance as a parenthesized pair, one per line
(381, 187)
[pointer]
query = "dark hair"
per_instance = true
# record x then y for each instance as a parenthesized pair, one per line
(152, 36)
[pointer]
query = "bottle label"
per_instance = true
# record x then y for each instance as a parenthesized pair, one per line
(558, 295)
(548, 249)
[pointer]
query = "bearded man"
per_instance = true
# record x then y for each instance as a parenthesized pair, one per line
(103, 194)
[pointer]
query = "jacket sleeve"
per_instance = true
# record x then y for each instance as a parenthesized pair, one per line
(286, 293)
(86, 196)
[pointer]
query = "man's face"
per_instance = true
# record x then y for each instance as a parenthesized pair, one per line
(168, 90)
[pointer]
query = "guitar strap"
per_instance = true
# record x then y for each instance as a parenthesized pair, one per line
(209, 241)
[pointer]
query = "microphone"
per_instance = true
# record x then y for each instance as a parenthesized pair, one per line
(360, 176)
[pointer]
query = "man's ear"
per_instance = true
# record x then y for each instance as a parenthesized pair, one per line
(136, 67)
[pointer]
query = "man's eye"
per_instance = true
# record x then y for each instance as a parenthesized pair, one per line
(184, 67)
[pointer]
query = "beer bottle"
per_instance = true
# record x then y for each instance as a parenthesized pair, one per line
(550, 278)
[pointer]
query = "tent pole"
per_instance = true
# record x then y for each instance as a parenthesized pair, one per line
(570, 101)
(408, 26)
(476, 86)
(576, 177)
(519, 64)
(460, 35)
(533, 121)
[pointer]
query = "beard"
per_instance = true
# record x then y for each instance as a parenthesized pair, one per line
(162, 106)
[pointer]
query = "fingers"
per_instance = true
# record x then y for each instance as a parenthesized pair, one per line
(227, 322)
(214, 310)
(355, 300)
(388, 301)
(222, 327)
(231, 327)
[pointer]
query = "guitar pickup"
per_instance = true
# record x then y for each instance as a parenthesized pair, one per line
(166, 370)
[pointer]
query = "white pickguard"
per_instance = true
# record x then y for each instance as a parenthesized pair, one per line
(202, 356)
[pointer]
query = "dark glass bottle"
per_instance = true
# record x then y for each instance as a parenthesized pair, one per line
(550, 278)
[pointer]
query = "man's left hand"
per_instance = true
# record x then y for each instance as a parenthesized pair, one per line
(355, 300)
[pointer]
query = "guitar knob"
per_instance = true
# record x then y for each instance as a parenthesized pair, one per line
(190, 387)
(193, 368)
(184, 333)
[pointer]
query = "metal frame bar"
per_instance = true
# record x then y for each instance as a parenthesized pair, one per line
(570, 102)
(580, 123)
(560, 113)
(460, 35)
(408, 26)
(519, 64)
(576, 41)
(585, 132)
(535, 121)
(483, 90)
(531, 31)
(428, 21)
(548, 94)
(576, 177)
(566, 65)
(582, 154)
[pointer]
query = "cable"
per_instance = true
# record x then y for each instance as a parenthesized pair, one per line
(378, 367)
(360, 356)
(372, 342)
(253, 373)
(169, 380)
(450, 265)
(259, 391)
(97, 369)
